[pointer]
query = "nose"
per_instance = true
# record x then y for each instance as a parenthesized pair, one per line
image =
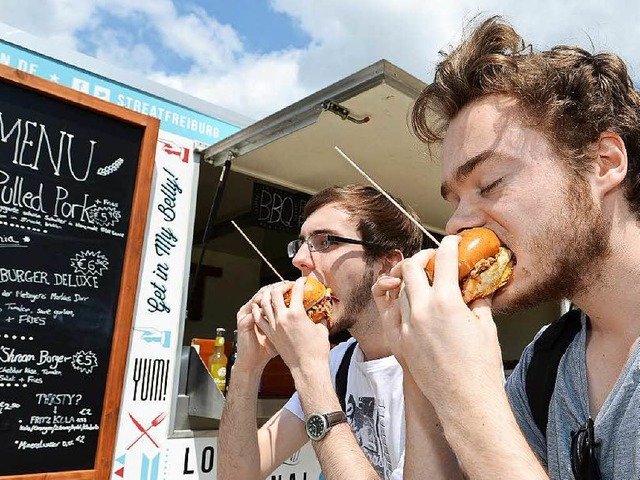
(465, 216)
(302, 260)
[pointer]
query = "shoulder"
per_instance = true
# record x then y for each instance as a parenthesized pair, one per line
(518, 376)
(337, 352)
(516, 392)
(531, 385)
(340, 349)
(553, 339)
(527, 354)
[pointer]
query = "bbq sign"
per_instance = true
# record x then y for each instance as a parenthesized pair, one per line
(68, 175)
(277, 209)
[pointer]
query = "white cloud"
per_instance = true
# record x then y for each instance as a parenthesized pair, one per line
(193, 51)
(120, 49)
(201, 39)
(256, 86)
(352, 35)
(56, 20)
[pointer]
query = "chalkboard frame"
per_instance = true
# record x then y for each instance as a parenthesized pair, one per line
(132, 258)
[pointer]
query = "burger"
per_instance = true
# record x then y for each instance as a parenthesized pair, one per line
(318, 301)
(484, 264)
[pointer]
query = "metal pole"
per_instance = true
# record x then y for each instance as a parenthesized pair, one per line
(208, 231)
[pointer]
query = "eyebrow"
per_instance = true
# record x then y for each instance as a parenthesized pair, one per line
(467, 168)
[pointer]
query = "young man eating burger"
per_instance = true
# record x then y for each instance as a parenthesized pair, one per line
(351, 236)
(543, 147)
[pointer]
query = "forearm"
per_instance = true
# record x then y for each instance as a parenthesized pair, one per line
(338, 453)
(238, 449)
(487, 438)
(427, 453)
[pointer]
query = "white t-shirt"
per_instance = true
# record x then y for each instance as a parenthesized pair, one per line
(375, 408)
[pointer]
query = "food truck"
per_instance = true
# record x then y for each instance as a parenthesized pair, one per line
(118, 259)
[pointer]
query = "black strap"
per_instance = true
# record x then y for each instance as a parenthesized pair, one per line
(343, 373)
(543, 369)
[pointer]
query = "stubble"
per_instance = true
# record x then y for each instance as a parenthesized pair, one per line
(570, 248)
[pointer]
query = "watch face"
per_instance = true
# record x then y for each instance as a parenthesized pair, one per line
(316, 426)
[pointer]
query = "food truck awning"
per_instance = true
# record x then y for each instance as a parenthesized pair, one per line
(366, 115)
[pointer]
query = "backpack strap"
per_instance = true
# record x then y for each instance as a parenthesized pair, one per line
(543, 368)
(343, 373)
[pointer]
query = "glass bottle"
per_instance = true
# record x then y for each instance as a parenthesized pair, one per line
(218, 361)
(232, 359)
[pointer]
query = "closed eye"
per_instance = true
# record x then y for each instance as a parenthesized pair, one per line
(489, 188)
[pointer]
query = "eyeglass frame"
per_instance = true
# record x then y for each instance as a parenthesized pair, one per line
(331, 239)
(584, 464)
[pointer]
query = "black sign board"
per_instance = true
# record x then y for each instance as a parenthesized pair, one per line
(74, 184)
(277, 209)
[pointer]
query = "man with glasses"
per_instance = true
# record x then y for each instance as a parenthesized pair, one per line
(351, 236)
(543, 148)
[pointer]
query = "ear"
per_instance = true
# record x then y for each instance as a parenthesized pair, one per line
(611, 163)
(388, 261)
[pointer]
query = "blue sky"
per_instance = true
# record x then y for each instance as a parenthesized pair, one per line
(261, 28)
(255, 57)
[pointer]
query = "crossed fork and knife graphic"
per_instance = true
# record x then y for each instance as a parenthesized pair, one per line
(145, 431)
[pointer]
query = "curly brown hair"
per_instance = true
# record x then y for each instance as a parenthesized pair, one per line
(379, 221)
(567, 94)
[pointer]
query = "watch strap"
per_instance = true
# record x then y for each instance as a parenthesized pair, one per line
(334, 418)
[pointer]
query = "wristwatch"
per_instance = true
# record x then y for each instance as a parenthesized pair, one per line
(318, 424)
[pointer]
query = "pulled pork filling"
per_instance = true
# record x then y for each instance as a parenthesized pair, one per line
(322, 309)
(488, 275)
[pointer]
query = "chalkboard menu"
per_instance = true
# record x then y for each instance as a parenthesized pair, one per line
(74, 184)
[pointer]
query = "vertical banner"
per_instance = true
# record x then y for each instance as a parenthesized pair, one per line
(156, 340)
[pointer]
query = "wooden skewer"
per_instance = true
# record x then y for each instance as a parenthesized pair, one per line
(257, 251)
(381, 190)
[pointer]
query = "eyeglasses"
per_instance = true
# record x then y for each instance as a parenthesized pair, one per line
(584, 463)
(321, 241)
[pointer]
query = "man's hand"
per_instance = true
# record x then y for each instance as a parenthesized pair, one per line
(449, 348)
(300, 342)
(254, 348)
(452, 353)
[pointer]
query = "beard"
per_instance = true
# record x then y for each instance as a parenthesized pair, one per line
(356, 301)
(569, 249)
